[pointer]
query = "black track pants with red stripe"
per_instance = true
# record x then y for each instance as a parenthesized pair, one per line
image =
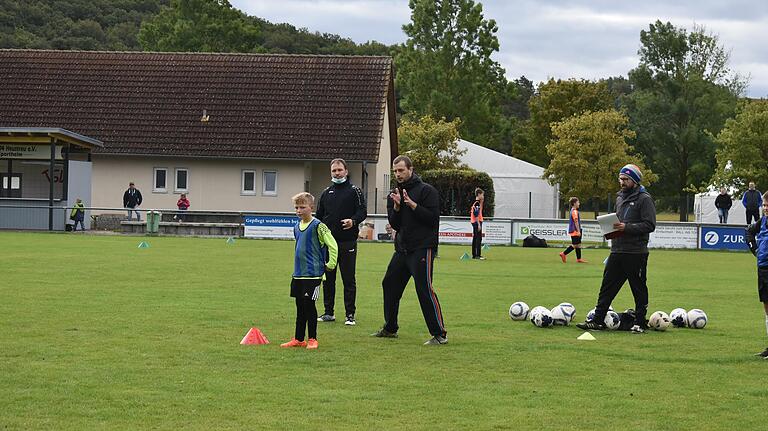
(419, 265)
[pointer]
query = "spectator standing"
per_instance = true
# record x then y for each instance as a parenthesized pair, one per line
(78, 214)
(752, 200)
(723, 204)
(131, 200)
(183, 205)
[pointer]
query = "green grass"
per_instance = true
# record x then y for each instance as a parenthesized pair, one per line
(98, 334)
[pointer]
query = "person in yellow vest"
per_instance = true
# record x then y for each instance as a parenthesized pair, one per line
(476, 218)
(78, 214)
(574, 231)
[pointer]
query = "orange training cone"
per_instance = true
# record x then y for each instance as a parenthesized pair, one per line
(254, 336)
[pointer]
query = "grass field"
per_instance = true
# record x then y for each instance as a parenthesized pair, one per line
(98, 334)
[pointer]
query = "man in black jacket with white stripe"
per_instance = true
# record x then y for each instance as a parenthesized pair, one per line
(413, 210)
(342, 208)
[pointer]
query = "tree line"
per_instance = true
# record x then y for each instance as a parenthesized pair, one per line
(680, 113)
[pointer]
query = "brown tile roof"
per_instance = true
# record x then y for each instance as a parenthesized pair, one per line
(259, 106)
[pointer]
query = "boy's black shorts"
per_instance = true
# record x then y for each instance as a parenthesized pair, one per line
(305, 287)
(762, 284)
(575, 240)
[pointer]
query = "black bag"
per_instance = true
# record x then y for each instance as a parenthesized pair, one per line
(534, 241)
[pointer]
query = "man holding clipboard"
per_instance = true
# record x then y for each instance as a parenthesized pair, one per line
(628, 229)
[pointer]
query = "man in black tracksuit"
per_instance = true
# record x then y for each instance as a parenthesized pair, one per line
(342, 208)
(413, 210)
(629, 250)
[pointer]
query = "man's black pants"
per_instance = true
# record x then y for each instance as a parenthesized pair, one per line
(419, 265)
(477, 239)
(346, 264)
(623, 267)
(752, 213)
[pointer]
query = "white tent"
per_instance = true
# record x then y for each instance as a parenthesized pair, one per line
(704, 208)
(519, 189)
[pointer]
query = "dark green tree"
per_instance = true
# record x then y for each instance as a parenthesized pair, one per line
(445, 68)
(554, 101)
(199, 25)
(683, 94)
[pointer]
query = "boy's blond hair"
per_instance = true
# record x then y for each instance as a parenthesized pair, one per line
(304, 198)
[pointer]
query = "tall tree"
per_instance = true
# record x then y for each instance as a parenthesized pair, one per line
(445, 68)
(430, 143)
(587, 152)
(199, 25)
(742, 155)
(684, 92)
(556, 100)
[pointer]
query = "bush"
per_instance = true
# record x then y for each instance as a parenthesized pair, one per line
(457, 190)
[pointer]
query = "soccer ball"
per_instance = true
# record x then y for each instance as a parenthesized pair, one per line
(659, 321)
(541, 317)
(679, 318)
(563, 314)
(612, 320)
(519, 311)
(697, 319)
(591, 313)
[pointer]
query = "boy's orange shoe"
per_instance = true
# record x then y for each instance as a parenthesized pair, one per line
(294, 343)
(581, 261)
(562, 256)
(311, 343)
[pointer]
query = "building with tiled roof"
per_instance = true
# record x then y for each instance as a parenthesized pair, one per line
(234, 131)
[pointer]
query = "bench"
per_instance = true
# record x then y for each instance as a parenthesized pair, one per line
(185, 228)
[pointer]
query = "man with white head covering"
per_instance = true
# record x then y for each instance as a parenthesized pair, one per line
(629, 250)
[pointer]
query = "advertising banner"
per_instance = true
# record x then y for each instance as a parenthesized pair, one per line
(460, 232)
(723, 238)
(269, 226)
(673, 236)
(556, 230)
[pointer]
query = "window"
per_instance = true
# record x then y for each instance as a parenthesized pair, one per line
(182, 180)
(248, 183)
(159, 184)
(269, 183)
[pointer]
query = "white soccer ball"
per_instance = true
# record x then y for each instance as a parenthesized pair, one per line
(612, 320)
(541, 317)
(519, 311)
(659, 321)
(697, 319)
(679, 318)
(563, 314)
(591, 313)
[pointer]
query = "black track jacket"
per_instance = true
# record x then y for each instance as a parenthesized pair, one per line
(416, 229)
(339, 202)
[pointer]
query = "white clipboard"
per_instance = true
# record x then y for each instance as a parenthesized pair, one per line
(606, 223)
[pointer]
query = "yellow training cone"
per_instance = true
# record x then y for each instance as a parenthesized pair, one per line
(586, 336)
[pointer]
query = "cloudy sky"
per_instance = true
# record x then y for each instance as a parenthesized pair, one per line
(553, 38)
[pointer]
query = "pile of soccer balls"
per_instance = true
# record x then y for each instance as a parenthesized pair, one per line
(561, 315)
(679, 318)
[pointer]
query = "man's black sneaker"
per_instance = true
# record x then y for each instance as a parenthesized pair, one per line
(383, 333)
(591, 325)
(350, 320)
(763, 354)
(326, 318)
(637, 329)
(436, 340)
